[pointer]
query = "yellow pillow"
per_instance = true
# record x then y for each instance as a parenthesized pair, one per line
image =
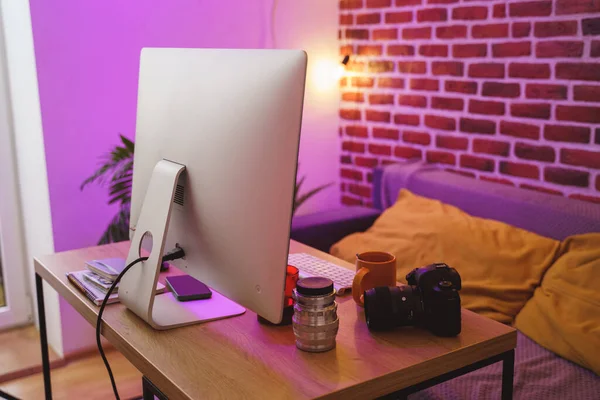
(564, 313)
(500, 265)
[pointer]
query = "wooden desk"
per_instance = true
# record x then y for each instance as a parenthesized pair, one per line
(241, 358)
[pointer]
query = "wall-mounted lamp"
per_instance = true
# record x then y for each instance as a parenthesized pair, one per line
(346, 60)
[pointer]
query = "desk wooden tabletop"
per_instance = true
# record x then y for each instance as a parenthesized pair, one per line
(241, 358)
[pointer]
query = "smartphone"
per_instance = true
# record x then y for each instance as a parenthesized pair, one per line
(186, 288)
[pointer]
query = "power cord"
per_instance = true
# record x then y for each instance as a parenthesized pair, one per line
(174, 254)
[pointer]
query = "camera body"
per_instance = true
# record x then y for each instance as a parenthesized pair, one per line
(430, 300)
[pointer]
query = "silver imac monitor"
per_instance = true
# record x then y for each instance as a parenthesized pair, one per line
(217, 140)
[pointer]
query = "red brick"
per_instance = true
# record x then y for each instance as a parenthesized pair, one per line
(544, 29)
(381, 99)
(479, 163)
(499, 89)
(433, 50)
(567, 177)
(530, 9)
(511, 49)
(346, 19)
(398, 17)
(350, 114)
(425, 84)
(486, 107)
(493, 179)
(587, 93)
(381, 66)
(351, 201)
(531, 152)
(467, 87)
(521, 29)
(494, 147)
(432, 15)
(451, 32)
(369, 50)
(404, 3)
(345, 159)
(442, 1)
(597, 140)
(460, 172)
(438, 122)
(540, 189)
(378, 116)
(416, 137)
(578, 71)
(590, 26)
(350, 4)
(379, 3)
(585, 198)
(371, 18)
(355, 66)
(470, 13)
(518, 129)
(396, 83)
(406, 119)
(452, 68)
(490, 31)
(469, 50)
(361, 81)
(412, 100)
(470, 125)
(486, 70)
(451, 142)
(582, 158)
(578, 113)
(357, 131)
(567, 133)
(366, 162)
(380, 149)
(385, 34)
(416, 33)
(360, 34)
(356, 97)
(559, 48)
(441, 157)
(412, 67)
(386, 133)
(519, 169)
(447, 103)
(529, 71)
(499, 11)
(353, 147)
(360, 190)
(542, 91)
(400, 50)
(577, 6)
(343, 81)
(595, 48)
(407, 152)
(530, 110)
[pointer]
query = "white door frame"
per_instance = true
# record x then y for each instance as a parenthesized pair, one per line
(18, 309)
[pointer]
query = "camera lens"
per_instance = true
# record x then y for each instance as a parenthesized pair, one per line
(390, 307)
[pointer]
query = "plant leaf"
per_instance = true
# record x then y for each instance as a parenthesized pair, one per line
(298, 201)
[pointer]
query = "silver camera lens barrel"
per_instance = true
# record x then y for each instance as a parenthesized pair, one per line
(315, 320)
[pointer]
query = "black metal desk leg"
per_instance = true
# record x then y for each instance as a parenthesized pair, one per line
(39, 288)
(149, 391)
(508, 370)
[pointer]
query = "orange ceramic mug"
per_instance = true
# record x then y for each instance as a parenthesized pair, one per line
(373, 269)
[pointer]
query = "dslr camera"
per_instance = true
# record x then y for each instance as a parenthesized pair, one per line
(430, 300)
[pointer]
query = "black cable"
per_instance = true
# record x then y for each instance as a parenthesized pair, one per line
(170, 256)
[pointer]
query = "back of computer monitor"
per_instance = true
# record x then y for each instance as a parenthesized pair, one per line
(232, 118)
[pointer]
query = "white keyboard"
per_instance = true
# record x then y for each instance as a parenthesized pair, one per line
(313, 266)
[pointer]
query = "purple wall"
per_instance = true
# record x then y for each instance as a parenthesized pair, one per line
(87, 56)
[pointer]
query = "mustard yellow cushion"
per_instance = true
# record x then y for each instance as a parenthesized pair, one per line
(500, 265)
(564, 313)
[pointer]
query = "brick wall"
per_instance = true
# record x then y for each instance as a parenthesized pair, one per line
(506, 91)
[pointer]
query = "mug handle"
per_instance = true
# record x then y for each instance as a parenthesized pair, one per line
(357, 291)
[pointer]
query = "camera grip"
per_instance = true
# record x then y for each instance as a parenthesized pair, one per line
(357, 290)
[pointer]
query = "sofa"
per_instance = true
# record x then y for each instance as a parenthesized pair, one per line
(539, 373)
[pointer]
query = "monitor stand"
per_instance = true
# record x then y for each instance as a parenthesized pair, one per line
(137, 287)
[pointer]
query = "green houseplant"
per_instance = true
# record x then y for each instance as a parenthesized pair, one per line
(116, 172)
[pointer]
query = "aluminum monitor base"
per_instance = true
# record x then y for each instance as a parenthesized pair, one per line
(137, 287)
